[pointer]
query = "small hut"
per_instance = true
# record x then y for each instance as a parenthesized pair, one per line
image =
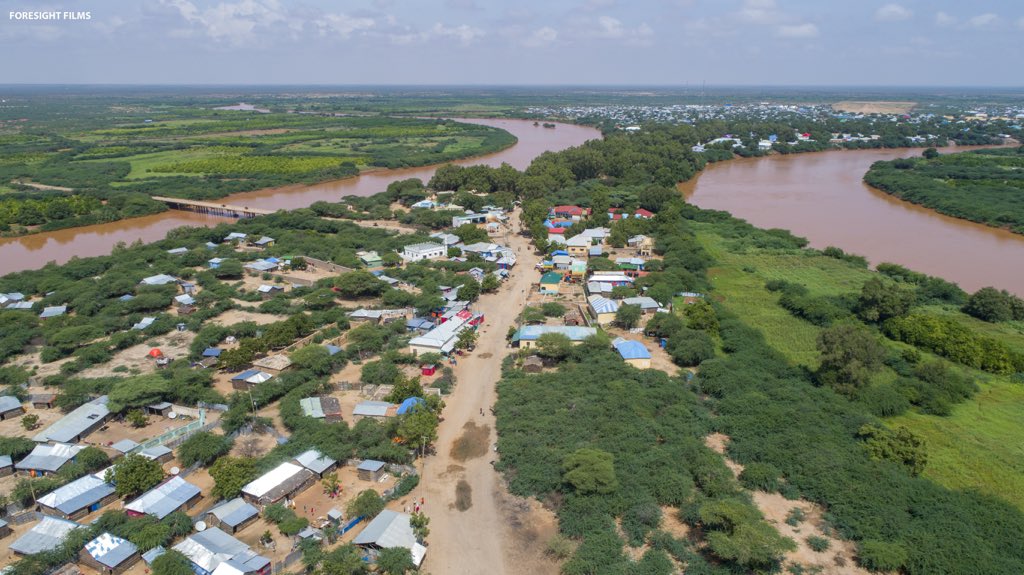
(533, 364)
(370, 470)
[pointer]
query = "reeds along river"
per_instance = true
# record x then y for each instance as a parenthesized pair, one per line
(34, 251)
(822, 196)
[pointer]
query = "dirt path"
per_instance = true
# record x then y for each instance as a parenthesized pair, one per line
(493, 529)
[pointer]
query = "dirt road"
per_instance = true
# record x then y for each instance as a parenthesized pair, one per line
(471, 516)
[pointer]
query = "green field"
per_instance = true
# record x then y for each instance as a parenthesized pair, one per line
(979, 446)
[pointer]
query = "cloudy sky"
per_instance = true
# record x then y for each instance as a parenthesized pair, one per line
(664, 42)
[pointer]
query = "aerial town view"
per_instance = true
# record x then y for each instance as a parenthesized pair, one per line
(466, 287)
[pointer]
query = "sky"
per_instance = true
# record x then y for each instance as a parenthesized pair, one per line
(517, 42)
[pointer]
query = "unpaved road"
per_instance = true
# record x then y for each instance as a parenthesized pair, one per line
(496, 533)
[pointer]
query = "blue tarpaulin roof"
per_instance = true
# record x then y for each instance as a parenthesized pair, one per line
(630, 349)
(211, 352)
(409, 404)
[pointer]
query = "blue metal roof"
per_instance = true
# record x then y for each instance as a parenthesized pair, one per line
(211, 352)
(630, 349)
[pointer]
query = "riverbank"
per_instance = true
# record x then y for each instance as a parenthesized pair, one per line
(822, 196)
(34, 251)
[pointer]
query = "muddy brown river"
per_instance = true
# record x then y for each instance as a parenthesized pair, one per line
(34, 251)
(822, 197)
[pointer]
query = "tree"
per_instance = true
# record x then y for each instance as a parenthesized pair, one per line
(137, 391)
(172, 562)
(880, 300)
(689, 347)
(881, 555)
(315, 358)
(380, 372)
(628, 316)
(136, 418)
(992, 305)
(299, 263)
(701, 315)
(391, 259)
(235, 359)
(330, 483)
(29, 421)
(203, 448)
(850, 354)
(359, 284)
(418, 428)
(590, 471)
(366, 505)
(663, 325)
(230, 474)
(405, 387)
(395, 561)
(134, 474)
(229, 269)
(467, 339)
(419, 522)
(344, 560)
(553, 309)
(490, 284)
(92, 459)
(470, 234)
(554, 346)
(898, 445)
(930, 153)
(470, 291)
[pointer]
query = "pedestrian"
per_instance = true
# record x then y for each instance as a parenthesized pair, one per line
(303, 508)
(422, 501)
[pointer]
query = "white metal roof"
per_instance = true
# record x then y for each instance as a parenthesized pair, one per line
(271, 479)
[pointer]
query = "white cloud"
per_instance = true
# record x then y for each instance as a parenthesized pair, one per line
(943, 19)
(343, 25)
(541, 37)
(892, 13)
(806, 30)
(463, 33)
(983, 20)
(759, 11)
(246, 21)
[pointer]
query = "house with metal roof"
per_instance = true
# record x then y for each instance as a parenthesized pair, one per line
(152, 554)
(633, 352)
(316, 462)
(528, 335)
(260, 266)
(144, 323)
(602, 308)
(551, 282)
(6, 465)
(78, 498)
(391, 529)
(646, 303)
(53, 311)
(231, 516)
(10, 407)
(159, 280)
(47, 459)
(446, 238)
(235, 236)
(284, 481)
(614, 278)
(109, 554)
(78, 424)
(209, 550)
(370, 470)
(166, 498)
(44, 536)
(158, 453)
(442, 338)
(5, 529)
(325, 407)
(375, 409)
(177, 251)
(264, 242)
(249, 378)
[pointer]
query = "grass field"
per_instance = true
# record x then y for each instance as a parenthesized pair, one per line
(979, 446)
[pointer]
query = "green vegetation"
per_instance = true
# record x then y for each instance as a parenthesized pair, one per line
(985, 186)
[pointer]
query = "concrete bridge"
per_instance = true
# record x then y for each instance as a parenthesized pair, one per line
(212, 208)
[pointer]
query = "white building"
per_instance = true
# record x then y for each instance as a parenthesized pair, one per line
(423, 251)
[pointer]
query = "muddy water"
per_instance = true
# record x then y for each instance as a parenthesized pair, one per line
(34, 251)
(822, 197)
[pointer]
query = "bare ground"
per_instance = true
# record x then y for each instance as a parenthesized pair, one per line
(838, 559)
(880, 107)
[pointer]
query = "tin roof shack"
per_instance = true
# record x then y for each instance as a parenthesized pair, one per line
(370, 470)
(324, 407)
(391, 529)
(374, 409)
(47, 459)
(442, 338)
(10, 407)
(232, 516)
(78, 498)
(158, 453)
(163, 408)
(285, 480)
(316, 462)
(166, 498)
(109, 554)
(6, 465)
(44, 536)
(209, 550)
(78, 424)
(249, 379)
(602, 308)
(5, 529)
(533, 364)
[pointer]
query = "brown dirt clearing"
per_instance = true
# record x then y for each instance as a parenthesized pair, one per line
(472, 443)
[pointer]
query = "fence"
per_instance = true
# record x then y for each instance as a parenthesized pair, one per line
(175, 437)
(288, 560)
(327, 266)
